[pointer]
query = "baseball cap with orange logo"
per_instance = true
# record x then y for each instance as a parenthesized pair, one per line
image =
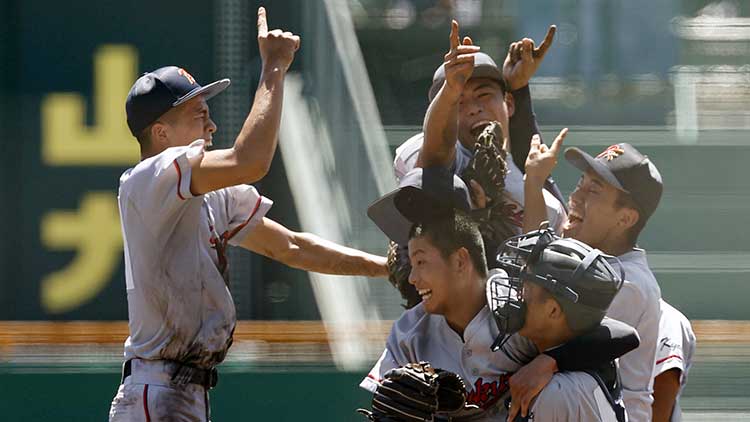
(154, 93)
(624, 167)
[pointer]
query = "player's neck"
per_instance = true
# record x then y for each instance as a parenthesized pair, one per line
(470, 304)
(616, 245)
(552, 337)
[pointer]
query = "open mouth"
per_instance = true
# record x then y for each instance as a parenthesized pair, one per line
(574, 220)
(478, 127)
(425, 293)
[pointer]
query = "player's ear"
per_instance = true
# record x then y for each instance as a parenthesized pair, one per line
(160, 133)
(461, 260)
(627, 217)
(510, 104)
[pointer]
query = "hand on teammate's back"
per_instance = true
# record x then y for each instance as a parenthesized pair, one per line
(276, 47)
(527, 382)
(523, 59)
(459, 62)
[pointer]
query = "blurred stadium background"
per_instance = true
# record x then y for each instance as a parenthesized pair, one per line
(671, 77)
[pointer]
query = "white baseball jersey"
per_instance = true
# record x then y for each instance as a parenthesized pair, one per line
(637, 304)
(420, 336)
(179, 304)
(406, 160)
(675, 349)
(572, 396)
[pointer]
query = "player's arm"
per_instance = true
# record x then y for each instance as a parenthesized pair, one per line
(666, 387)
(521, 63)
(309, 252)
(539, 164)
(606, 342)
(250, 158)
(441, 120)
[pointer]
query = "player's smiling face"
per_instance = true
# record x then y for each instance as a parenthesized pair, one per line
(433, 275)
(481, 102)
(593, 212)
(190, 121)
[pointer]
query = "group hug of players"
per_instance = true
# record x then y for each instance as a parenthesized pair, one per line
(564, 322)
(520, 304)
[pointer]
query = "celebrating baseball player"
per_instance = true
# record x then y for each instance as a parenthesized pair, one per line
(550, 290)
(469, 93)
(180, 208)
(619, 190)
(452, 328)
(674, 356)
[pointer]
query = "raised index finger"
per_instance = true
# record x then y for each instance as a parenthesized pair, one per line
(544, 46)
(262, 24)
(454, 35)
(557, 143)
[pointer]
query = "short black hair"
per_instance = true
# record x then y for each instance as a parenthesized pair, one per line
(449, 234)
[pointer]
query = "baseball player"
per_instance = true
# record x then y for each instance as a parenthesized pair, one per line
(452, 327)
(563, 289)
(619, 190)
(180, 208)
(674, 355)
(468, 92)
(465, 97)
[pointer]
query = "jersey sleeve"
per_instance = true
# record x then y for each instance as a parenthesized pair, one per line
(245, 209)
(406, 156)
(386, 362)
(669, 353)
(398, 348)
(159, 187)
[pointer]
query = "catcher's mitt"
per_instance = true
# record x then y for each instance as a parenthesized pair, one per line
(399, 268)
(488, 168)
(416, 392)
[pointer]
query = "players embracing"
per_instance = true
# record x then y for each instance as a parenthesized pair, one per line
(591, 266)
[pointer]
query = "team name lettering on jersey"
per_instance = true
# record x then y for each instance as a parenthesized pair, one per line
(486, 394)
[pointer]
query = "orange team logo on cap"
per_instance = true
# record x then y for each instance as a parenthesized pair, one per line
(187, 76)
(612, 152)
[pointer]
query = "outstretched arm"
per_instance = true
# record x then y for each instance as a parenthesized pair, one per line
(250, 158)
(441, 120)
(309, 252)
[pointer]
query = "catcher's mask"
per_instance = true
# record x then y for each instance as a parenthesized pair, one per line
(517, 250)
(578, 276)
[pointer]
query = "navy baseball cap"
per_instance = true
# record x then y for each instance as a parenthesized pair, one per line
(154, 93)
(624, 167)
(484, 67)
(422, 195)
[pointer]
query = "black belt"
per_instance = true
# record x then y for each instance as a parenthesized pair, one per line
(183, 374)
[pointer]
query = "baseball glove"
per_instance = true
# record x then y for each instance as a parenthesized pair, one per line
(399, 268)
(488, 168)
(416, 392)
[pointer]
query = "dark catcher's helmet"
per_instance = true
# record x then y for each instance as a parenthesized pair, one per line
(576, 275)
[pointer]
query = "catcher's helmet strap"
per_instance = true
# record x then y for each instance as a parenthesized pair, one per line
(586, 263)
